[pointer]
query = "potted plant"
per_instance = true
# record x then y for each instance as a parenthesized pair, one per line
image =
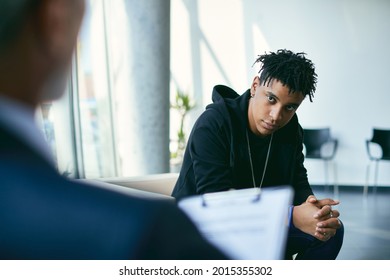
(182, 104)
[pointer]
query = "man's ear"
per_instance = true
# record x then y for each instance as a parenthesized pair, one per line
(255, 84)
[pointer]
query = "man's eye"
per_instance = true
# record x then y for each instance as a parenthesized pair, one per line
(270, 98)
(290, 108)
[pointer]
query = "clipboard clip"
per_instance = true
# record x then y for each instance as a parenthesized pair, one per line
(232, 195)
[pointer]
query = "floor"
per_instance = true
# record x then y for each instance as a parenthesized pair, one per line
(366, 221)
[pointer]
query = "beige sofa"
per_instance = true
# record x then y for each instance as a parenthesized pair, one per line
(156, 186)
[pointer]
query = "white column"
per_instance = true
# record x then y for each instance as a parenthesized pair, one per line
(143, 109)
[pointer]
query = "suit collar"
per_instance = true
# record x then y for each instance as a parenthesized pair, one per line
(19, 120)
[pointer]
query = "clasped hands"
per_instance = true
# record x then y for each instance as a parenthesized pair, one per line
(317, 218)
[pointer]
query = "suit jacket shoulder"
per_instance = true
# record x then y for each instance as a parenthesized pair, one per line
(46, 216)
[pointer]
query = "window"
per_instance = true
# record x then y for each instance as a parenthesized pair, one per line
(88, 129)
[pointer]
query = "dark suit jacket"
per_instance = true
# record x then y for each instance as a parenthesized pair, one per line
(45, 216)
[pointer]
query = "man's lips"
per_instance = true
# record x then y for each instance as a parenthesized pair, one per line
(269, 126)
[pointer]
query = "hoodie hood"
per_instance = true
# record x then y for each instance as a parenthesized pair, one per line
(221, 93)
(229, 103)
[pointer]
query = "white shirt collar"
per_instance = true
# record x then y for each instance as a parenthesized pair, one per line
(20, 120)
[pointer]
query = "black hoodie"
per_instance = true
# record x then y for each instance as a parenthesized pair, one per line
(217, 153)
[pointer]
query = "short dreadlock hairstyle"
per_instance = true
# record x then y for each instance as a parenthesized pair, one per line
(291, 69)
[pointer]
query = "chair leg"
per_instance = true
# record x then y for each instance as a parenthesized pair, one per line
(365, 189)
(376, 176)
(326, 176)
(335, 182)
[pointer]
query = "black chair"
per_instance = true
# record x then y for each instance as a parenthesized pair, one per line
(380, 137)
(320, 145)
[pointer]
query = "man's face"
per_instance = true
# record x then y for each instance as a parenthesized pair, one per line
(271, 107)
(61, 43)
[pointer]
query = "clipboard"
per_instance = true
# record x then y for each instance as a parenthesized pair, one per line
(245, 224)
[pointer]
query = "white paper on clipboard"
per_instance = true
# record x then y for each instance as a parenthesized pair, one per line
(244, 224)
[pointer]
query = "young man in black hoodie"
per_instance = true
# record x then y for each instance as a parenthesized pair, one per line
(255, 140)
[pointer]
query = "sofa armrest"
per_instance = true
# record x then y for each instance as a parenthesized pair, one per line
(155, 183)
(125, 190)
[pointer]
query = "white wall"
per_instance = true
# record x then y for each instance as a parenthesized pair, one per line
(216, 41)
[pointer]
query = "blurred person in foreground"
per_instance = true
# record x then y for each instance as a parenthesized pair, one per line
(42, 214)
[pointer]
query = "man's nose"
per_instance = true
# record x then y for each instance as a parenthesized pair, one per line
(276, 113)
